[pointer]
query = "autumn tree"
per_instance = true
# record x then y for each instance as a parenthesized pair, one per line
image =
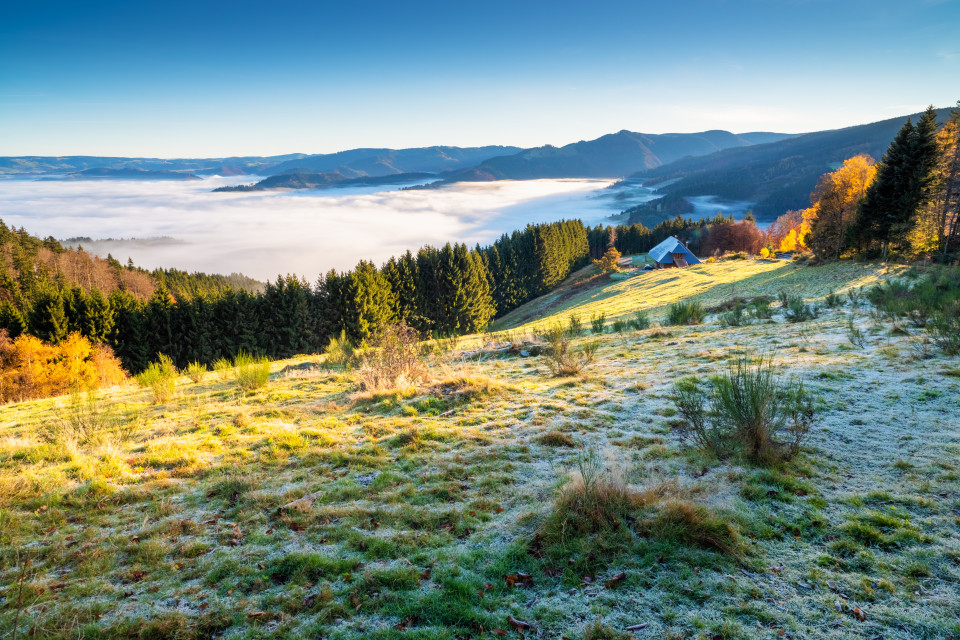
(834, 205)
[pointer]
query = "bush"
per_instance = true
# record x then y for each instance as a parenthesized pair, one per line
(747, 410)
(340, 351)
(641, 320)
(195, 371)
(944, 328)
(575, 329)
(597, 323)
(682, 313)
(799, 311)
(619, 326)
(833, 300)
(253, 372)
(222, 368)
(855, 335)
(393, 360)
(561, 359)
(161, 378)
(760, 308)
(735, 317)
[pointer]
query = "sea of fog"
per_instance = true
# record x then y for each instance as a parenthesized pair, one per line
(262, 234)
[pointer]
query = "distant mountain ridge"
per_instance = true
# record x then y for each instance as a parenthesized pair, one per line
(125, 173)
(614, 155)
(325, 180)
(776, 176)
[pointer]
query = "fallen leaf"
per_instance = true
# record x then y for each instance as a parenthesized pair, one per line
(615, 580)
(519, 625)
(499, 509)
(426, 574)
(859, 614)
(519, 579)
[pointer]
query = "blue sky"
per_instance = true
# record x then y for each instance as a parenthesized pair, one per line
(179, 79)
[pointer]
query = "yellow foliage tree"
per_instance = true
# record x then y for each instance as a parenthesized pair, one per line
(610, 261)
(31, 368)
(835, 203)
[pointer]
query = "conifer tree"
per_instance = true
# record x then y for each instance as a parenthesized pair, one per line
(48, 320)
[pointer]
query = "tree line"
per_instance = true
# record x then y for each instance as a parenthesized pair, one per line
(438, 291)
(909, 202)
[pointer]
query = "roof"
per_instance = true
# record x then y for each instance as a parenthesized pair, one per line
(661, 252)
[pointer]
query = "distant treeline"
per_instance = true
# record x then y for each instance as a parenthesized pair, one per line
(443, 291)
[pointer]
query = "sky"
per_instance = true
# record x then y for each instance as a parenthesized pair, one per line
(213, 79)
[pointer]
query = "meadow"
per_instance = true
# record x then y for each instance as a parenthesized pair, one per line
(493, 498)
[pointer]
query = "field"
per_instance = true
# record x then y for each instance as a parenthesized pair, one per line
(309, 509)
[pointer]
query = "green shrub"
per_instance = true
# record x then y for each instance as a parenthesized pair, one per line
(735, 317)
(253, 372)
(796, 310)
(195, 371)
(760, 308)
(597, 323)
(944, 329)
(561, 358)
(687, 312)
(748, 410)
(340, 351)
(833, 300)
(161, 378)
(641, 320)
(575, 329)
(619, 326)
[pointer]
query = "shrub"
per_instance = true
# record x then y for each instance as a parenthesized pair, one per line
(799, 311)
(687, 312)
(561, 358)
(764, 253)
(641, 320)
(735, 317)
(855, 335)
(222, 368)
(393, 360)
(760, 308)
(253, 372)
(944, 329)
(597, 323)
(161, 378)
(619, 326)
(195, 371)
(833, 300)
(340, 351)
(736, 255)
(747, 410)
(575, 329)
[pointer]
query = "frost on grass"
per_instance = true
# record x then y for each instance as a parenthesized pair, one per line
(427, 505)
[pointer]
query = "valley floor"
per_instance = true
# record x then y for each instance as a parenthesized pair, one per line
(121, 518)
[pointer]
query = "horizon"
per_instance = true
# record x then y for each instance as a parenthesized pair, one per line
(213, 79)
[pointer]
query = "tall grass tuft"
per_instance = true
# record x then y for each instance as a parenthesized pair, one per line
(598, 323)
(641, 320)
(747, 410)
(195, 371)
(221, 367)
(161, 378)
(252, 372)
(687, 312)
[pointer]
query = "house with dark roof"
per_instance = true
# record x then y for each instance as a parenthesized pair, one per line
(672, 253)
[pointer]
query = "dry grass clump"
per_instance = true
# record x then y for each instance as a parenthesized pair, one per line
(393, 361)
(748, 410)
(561, 358)
(195, 372)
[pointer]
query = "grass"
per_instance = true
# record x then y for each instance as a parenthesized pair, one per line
(181, 519)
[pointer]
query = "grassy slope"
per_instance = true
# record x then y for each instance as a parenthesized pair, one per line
(167, 524)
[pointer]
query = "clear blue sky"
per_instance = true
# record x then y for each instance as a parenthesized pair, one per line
(171, 78)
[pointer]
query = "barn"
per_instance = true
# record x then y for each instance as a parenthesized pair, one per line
(672, 253)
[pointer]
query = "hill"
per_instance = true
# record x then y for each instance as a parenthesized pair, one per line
(126, 173)
(776, 176)
(241, 165)
(610, 156)
(325, 180)
(309, 508)
(384, 162)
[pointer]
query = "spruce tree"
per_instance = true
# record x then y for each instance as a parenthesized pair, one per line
(48, 319)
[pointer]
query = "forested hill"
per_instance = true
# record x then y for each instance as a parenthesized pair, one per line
(776, 176)
(610, 156)
(299, 180)
(32, 269)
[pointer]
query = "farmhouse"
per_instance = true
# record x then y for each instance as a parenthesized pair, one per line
(672, 253)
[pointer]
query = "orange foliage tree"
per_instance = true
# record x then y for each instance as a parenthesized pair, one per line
(31, 368)
(834, 205)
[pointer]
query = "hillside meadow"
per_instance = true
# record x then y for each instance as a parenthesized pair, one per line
(494, 499)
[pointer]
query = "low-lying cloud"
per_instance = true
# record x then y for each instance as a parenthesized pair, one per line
(184, 225)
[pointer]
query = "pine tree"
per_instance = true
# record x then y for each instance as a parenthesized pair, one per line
(48, 320)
